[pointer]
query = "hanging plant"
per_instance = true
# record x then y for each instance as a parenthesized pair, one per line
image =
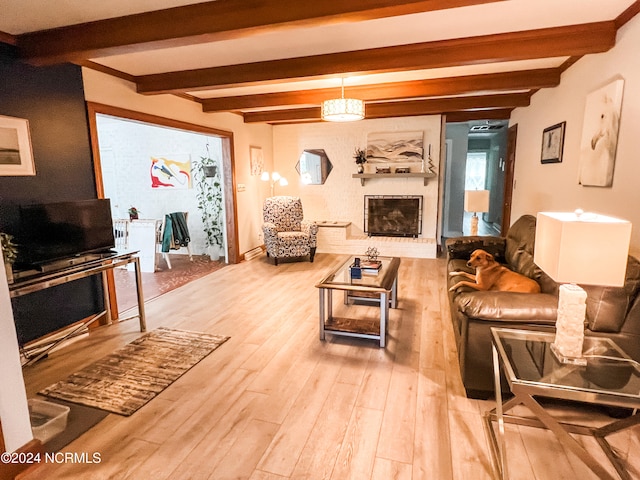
(206, 176)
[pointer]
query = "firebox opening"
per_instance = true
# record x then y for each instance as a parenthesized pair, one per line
(393, 215)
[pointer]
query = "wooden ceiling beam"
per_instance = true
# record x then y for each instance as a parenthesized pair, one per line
(628, 14)
(8, 38)
(531, 44)
(436, 87)
(400, 109)
(468, 116)
(206, 22)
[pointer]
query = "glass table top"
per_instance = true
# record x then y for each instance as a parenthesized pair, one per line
(529, 361)
(341, 276)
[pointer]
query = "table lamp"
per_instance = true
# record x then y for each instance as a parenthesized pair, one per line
(584, 248)
(476, 201)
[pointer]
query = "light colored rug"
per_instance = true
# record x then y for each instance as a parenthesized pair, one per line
(127, 379)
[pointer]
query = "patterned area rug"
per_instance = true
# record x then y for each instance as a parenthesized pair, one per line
(127, 379)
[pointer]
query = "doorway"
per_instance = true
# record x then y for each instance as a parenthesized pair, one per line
(210, 139)
(476, 159)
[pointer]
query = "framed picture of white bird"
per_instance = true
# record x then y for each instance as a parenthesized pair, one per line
(600, 135)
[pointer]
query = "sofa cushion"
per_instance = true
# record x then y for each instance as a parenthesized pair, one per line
(508, 306)
(520, 244)
(461, 247)
(607, 307)
(519, 249)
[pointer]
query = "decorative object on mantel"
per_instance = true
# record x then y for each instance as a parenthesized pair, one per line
(361, 158)
(402, 170)
(563, 242)
(9, 254)
(383, 169)
(429, 160)
(342, 109)
(600, 135)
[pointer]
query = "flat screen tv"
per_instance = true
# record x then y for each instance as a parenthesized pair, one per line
(53, 231)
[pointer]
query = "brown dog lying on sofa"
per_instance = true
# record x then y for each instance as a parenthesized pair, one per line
(490, 275)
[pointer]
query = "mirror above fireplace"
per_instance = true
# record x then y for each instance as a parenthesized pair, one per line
(314, 167)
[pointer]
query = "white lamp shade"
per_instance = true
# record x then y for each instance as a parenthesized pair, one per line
(342, 110)
(476, 200)
(589, 249)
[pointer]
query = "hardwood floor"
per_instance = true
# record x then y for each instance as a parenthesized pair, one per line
(274, 402)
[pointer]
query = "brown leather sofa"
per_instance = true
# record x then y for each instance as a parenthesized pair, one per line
(612, 312)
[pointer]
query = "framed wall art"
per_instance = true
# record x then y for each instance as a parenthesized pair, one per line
(257, 160)
(171, 171)
(600, 135)
(553, 143)
(16, 157)
(395, 147)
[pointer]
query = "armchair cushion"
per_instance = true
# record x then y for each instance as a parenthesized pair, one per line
(286, 234)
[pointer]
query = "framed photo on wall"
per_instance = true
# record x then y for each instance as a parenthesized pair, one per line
(256, 159)
(16, 157)
(553, 143)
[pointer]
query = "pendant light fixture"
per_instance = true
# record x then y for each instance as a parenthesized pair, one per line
(342, 109)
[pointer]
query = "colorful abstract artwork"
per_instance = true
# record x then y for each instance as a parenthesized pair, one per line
(170, 173)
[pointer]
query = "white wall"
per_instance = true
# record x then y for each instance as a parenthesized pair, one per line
(342, 197)
(555, 186)
(102, 88)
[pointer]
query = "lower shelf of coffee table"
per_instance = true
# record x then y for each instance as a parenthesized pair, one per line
(368, 328)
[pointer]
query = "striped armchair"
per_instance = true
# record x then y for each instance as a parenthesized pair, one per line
(286, 234)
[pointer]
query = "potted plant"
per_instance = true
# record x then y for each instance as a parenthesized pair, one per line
(9, 254)
(133, 213)
(209, 196)
(361, 158)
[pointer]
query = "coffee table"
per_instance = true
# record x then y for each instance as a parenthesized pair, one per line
(532, 370)
(380, 290)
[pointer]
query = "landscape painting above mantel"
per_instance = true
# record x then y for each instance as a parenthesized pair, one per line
(395, 147)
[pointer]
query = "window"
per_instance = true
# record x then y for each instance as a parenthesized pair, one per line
(476, 171)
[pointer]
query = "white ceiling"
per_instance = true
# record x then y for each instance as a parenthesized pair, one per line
(314, 38)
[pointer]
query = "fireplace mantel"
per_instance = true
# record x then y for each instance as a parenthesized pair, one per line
(365, 176)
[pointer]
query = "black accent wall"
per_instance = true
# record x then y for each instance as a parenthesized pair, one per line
(52, 99)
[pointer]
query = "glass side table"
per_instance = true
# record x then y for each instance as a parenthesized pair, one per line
(610, 377)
